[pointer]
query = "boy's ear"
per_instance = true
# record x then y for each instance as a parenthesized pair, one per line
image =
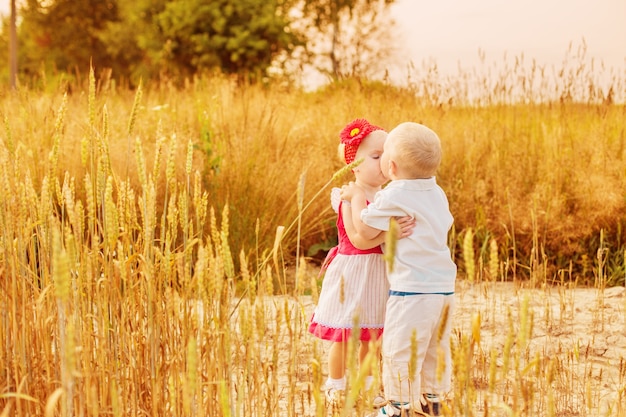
(393, 168)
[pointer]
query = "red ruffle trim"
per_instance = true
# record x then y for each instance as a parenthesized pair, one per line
(342, 335)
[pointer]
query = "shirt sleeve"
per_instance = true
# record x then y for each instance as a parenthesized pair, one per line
(379, 213)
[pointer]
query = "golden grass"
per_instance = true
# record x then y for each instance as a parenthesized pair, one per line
(142, 274)
(536, 174)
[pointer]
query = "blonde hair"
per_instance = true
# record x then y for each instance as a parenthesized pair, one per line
(416, 149)
(341, 152)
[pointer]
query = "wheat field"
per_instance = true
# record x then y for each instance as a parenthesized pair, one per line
(159, 247)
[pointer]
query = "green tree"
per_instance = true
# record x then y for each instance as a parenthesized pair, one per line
(147, 38)
(180, 38)
(238, 37)
(64, 35)
(136, 41)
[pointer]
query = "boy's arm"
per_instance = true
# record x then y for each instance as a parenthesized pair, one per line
(405, 224)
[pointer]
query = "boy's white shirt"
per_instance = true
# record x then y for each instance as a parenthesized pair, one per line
(422, 263)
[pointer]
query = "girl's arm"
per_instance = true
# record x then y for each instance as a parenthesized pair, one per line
(358, 202)
(357, 240)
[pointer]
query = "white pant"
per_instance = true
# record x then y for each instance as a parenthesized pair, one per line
(424, 315)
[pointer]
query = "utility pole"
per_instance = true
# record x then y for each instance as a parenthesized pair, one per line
(13, 47)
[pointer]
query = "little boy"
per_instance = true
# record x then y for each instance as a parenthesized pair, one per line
(416, 343)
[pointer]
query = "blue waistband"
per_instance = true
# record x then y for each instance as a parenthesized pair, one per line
(404, 293)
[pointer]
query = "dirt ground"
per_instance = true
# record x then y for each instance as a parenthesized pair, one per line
(582, 329)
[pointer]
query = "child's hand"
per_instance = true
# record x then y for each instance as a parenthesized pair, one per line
(406, 225)
(350, 190)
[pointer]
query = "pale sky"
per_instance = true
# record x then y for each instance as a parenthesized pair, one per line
(453, 31)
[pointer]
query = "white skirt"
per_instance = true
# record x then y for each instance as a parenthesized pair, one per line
(354, 292)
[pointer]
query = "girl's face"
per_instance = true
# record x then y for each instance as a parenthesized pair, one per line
(371, 149)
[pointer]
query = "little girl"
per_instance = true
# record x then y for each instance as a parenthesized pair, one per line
(355, 282)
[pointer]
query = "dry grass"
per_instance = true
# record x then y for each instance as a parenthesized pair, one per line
(141, 273)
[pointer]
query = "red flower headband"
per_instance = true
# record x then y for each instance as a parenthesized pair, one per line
(353, 134)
